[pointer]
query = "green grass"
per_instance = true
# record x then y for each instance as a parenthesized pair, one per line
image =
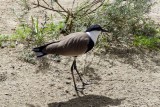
(147, 42)
(34, 34)
(3, 38)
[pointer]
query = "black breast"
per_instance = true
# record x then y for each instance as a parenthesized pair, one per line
(90, 45)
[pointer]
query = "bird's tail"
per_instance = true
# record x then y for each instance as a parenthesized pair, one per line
(39, 51)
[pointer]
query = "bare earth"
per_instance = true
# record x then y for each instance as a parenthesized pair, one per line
(117, 79)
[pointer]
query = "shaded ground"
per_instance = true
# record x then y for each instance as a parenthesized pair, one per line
(121, 78)
(116, 80)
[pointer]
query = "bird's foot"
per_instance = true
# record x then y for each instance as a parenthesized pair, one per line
(84, 84)
(81, 90)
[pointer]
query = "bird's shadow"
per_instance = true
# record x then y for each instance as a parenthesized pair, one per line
(91, 73)
(43, 65)
(88, 101)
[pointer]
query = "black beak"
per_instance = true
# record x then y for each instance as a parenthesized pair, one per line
(103, 30)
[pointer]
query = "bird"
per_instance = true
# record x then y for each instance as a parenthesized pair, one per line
(74, 44)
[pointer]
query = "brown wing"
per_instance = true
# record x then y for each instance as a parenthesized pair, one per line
(72, 45)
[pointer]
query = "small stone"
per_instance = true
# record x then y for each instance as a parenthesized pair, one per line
(68, 82)
(13, 73)
(69, 78)
(13, 66)
(57, 70)
(67, 91)
(74, 95)
(8, 94)
(51, 85)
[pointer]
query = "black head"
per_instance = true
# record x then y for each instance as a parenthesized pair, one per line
(95, 28)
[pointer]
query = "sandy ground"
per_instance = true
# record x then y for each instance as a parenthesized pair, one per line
(121, 78)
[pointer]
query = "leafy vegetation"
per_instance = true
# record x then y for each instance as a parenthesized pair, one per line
(3, 38)
(147, 42)
(126, 22)
(27, 56)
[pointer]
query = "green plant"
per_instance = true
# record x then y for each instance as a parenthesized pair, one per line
(122, 19)
(147, 28)
(21, 33)
(3, 38)
(147, 42)
(37, 32)
(53, 30)
(27, 56)
(125, 18)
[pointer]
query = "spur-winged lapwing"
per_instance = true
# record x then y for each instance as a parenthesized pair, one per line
(73, 44)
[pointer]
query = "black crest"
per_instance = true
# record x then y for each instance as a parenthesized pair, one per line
(95, 28)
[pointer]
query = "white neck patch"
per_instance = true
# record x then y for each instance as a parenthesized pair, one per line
(94, 35)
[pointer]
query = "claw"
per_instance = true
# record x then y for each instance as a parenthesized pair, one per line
(81, 90)
(84, 84)
(74, 67)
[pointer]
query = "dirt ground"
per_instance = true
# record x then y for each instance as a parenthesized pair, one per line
(121, 78)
